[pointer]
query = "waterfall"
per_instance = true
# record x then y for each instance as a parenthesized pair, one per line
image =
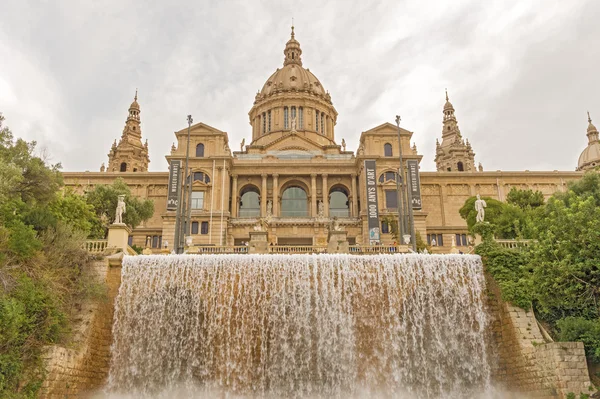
(301, 326)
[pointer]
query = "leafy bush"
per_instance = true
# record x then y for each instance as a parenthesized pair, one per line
(580, 329)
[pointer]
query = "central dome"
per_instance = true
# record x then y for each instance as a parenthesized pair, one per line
(292, 101)
(292, 77)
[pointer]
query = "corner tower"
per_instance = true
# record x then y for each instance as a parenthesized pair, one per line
(454, 154)
(292, 101)
(130, 155)
(590, 157)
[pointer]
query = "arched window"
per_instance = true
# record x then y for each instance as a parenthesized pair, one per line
(249, 202)
(264, 123)
(387, 150)
(293, 112)
(123, 167)
(300, 118)
(387, 176)
(269, 126)
(294, 203)
(203, 177)
(316, 120)
(200, 150)
(285, 118)
(322, 123)
(338, 203)
(460, 167)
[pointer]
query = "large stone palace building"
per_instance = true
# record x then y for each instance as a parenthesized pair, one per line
(296, 175)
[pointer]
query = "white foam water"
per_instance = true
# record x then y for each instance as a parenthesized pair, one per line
(309, 326)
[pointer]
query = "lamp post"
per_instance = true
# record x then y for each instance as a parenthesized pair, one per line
(399, 177)
(188, 221)
(181, 224)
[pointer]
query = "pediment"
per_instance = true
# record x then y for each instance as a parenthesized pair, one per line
(387, 129)
(201, 129)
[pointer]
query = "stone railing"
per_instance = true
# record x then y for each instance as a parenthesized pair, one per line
(375, 249)
(237, 249)
(95, 246)
(514, 244)
(297, 249)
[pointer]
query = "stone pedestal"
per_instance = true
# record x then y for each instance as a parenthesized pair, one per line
(118, 236)
(337, 242)
(258, 242)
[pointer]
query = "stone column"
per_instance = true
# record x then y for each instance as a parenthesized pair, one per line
(313, 194)
(275, 195)
(354, 197)
(263, 196)
(234, 197)
(325, 195)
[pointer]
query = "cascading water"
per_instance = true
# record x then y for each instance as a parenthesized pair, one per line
(301, 326)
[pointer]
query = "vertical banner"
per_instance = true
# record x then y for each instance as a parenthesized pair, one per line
(372, 206)
(415, 183)
(174, 186)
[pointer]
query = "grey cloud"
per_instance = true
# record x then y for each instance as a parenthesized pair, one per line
(520, 74)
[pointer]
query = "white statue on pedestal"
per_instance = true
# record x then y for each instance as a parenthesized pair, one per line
(121, 209)
(321, 213)
(269, 208)
(480, 208)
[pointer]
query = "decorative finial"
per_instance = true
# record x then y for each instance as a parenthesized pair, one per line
(447, 99)
(135, 98)
(292, 28)
(589, 118)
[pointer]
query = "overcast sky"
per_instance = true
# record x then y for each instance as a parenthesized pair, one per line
(521, 74)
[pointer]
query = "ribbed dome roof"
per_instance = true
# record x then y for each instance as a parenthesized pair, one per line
(293, 76)
(590, 157)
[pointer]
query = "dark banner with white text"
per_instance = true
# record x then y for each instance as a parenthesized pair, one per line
(372, 205)
(174, 186)
(415, 183)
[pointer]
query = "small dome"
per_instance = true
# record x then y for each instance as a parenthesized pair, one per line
(448, 106)
(590, 157)
(134, 104)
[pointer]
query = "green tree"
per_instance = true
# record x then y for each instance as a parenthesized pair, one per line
(42, 263)
(103, 198)
(525, 199)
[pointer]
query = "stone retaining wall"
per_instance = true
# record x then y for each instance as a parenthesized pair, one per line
(83, 367)
(526, 363)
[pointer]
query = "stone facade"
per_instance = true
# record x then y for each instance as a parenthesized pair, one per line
(293, 167)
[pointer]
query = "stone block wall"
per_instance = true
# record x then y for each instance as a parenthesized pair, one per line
(525, 362)
(82, 367)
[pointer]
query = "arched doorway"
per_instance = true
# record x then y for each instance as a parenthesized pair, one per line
(294, 202)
